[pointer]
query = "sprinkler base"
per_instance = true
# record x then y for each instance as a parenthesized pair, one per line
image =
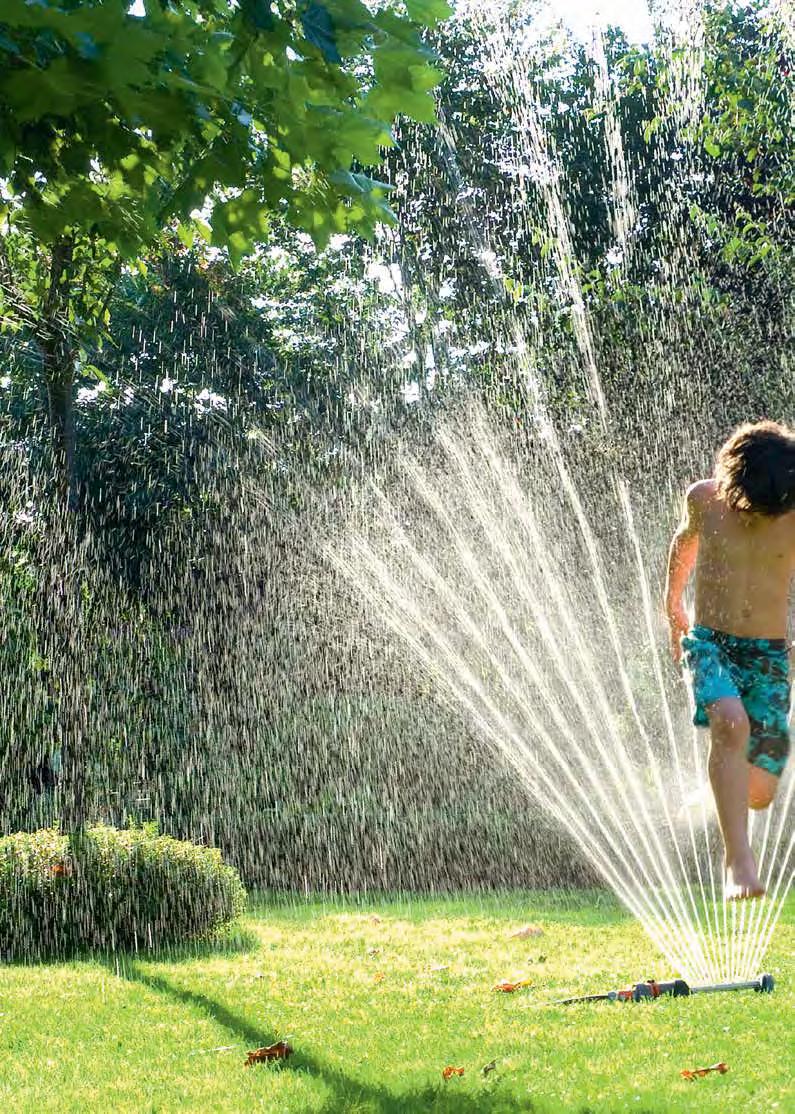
(676, 988)
(762, 984)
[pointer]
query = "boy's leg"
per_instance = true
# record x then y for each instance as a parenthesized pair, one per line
(728, 773)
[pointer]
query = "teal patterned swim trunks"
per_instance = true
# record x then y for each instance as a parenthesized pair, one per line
(755, 670)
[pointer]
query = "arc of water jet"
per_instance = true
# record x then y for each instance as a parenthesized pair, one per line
(652, 756)
(731, 940)
(487, 591)
(741, 931)
(740, 938)
(686, 84)
(758, 928)
(492, 534)
(591, 549)
(378, 567)
(623, 208)
(587, 351)
(600, 859)
(552, 586)
(706, 841)
(721, 967)
(784, 807)
(775, 906)
(488, 594)
(563, 253)
(647, 610)
(738, 916)
(474, 635)
(519, 750)
(747, 924)
(756, 913)
(541, 149)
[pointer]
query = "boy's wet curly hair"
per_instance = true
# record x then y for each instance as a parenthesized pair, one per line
(755, 469)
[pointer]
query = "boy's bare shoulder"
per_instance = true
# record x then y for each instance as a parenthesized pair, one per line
(702, 493)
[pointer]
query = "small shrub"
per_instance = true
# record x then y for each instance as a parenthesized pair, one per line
(109, 889)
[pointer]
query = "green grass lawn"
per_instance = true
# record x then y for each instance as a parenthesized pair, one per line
(353, 987)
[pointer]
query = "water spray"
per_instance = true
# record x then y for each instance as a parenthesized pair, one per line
(676, 988)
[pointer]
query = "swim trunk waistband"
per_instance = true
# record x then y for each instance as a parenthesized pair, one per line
(722, 638)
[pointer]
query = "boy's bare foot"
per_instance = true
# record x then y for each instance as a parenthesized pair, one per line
(742, 880)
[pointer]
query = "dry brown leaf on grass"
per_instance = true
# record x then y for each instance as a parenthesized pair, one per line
(375, 919)
(373, 952)
(526, 931)
(450, 1071)
(698, 1073)
(507, 987)
(488, 1068)
(379, 976)
(279, 1051)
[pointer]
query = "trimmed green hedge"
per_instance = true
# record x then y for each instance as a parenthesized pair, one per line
(129, 889)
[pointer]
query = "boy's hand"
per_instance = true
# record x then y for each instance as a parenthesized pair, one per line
(678, 624)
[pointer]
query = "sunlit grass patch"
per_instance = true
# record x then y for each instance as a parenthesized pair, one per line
(376, 1000)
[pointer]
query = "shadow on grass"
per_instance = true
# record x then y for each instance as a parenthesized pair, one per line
(346, 1091)
(231, 942)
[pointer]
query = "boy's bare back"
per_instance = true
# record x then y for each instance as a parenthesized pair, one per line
(744, 566)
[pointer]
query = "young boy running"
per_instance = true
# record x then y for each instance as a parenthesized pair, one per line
(738, 530)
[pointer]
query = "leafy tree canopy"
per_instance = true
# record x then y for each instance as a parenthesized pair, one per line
(113, 125)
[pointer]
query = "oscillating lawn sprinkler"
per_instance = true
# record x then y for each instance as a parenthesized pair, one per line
(676, 988)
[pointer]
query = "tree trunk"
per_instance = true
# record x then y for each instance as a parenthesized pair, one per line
(60, 624)
(58, 351)
(61, 601)
(59, 380)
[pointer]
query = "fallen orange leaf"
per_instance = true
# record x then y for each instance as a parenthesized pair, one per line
(527, 930)
(61, 870)
(698, 1073)
(279, 1051)
(450, 1070)
(379, 976)
(508, 987)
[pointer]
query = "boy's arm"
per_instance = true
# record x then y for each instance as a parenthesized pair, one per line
(681, 561)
